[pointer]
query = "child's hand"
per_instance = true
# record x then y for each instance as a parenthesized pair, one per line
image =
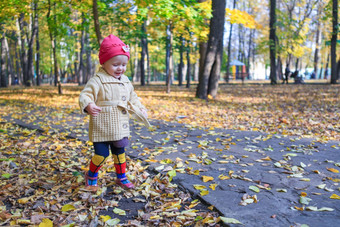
(93, 109)
(144, 113)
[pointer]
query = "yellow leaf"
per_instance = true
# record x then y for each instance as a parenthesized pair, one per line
(23, 200)
(199, 187)
(222, 177)
(196, 172)
(303, 194)
(67, 207)
(119, 211)
(207, 178)
(46, 223)
(333, 170)
(266, 158)
(105, 218)
(204, 192)
(334, 196)
(336, 180)
(299, 208)
(213, 186)
(155, 217)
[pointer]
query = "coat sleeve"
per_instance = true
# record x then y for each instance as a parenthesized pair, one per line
(89, 94)
(134, 99)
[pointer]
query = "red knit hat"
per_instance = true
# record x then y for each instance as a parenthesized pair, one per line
(112, 46)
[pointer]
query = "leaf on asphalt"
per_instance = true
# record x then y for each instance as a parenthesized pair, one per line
(335, 196)
(254, 188)
(222, 177)
(119, 211)
(305, 200)
(199, 187)
(204, 192)
(112, 222)
(207, 178)
(230, 220)
(333, 170)
(213, 186)
(105, 218)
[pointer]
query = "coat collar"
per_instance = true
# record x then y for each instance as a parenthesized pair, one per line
(106, 78)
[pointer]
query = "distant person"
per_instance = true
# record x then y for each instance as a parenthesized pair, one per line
(108, 98)
(286, 75)
(313, 76)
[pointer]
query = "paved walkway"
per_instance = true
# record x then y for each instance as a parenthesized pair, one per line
(258, 179)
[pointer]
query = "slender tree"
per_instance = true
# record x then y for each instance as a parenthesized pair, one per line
(272, 40)
(143, 53)
(334, 73)
(96, 21)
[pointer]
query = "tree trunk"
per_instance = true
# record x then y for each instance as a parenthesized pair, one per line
(229, 47)
(30, 64)
(37, 53)
(143, 53)
(53, 44)
(81, 70)
(317, 43)
(169, 57)
(250, 43)
(23, 54)
(212, 62)
(9, 61)
(148, 61)
(334, 73)
(135, 71)
(272, 40)
(181, 63)
(326, 67)
(96, 22)
(189, 65)
(3, 80)
(17, 63)
(88, 58)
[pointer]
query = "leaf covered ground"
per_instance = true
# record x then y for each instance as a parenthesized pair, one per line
(42, 171)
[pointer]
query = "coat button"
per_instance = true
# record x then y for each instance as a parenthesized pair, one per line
(125, 125)
(124, 98)
(124, 111)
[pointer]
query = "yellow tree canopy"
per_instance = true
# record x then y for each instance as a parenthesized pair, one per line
(236, 16)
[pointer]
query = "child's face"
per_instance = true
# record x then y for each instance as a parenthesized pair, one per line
(116, 66)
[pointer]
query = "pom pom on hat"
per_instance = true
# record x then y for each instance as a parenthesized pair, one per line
(112, 46)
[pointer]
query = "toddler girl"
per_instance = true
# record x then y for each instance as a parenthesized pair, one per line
(109, 98)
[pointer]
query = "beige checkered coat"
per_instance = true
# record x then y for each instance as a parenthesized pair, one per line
(117, 99)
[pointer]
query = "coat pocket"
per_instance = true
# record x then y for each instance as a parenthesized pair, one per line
(107, 122)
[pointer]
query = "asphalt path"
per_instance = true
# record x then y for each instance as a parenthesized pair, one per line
(256, 178)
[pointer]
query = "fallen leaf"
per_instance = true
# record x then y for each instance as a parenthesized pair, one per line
(334, 196)
(207, 178)
(119, 211)
(333, 170)
(46, 223)
(254, 188)
(230, 220)
(67, 208)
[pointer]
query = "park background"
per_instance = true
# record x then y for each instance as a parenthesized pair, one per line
(58, 41)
